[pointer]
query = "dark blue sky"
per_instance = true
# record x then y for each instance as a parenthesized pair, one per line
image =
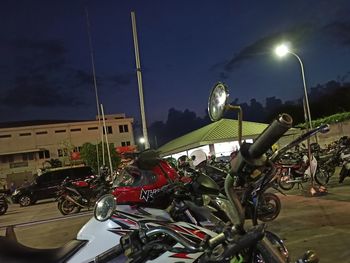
(185, 48)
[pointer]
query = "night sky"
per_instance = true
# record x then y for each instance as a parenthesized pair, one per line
(185, 48)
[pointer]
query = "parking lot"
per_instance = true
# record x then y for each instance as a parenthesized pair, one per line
(319, 223)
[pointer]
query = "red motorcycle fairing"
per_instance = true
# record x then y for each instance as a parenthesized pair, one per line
(81, 184)
(137, 186)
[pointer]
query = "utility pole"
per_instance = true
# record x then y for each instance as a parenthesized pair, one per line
(139, 80)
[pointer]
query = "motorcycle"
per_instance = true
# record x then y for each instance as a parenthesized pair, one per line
(150, 234)
(295, 168)
(75, 195)
(329, 159)
(4, 201)
(253, 195)
(145, 238)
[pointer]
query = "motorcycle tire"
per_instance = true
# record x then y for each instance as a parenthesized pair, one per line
(322, 177)
(284, 185)
(66, 207)
(269, 207)
(3, 208)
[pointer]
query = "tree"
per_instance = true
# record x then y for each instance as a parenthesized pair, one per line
(88, 154)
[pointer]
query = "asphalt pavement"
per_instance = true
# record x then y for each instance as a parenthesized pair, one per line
(320, 223)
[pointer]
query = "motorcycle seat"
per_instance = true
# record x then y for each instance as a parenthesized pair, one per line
(12, 251)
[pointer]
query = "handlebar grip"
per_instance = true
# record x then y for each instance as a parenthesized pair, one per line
(270, 135)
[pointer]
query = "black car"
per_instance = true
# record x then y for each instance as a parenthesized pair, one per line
(46, 185)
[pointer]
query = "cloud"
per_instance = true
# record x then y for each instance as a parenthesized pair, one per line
(340, 30)
(296, 35)
(37, 91)
(52, 46)
(122, 79)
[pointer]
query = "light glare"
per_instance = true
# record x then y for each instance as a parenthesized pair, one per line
(281, 50)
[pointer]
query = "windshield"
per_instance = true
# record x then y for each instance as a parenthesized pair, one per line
(133, 176)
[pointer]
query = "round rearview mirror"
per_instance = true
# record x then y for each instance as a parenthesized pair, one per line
(217, 101)
(104, 207)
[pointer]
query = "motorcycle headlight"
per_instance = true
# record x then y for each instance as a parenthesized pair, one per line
(15, 192)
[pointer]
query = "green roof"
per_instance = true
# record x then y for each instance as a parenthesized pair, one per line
(223, 130)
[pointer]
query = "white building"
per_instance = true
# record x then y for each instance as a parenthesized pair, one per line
(25, 147)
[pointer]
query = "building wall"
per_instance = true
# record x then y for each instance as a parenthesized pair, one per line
(22, 148)
(336, 131)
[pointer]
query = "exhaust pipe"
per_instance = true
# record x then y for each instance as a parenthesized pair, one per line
(69, 198)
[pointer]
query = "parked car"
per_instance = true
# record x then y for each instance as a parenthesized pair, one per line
(46, 185)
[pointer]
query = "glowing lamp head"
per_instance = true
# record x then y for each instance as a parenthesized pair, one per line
(142, 140)
(282, 50)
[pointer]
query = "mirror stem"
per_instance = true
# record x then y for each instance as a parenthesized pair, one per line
(240, 120)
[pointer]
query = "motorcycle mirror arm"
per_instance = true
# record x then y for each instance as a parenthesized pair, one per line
(240, 119)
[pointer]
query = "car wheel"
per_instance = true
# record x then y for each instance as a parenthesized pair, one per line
(25, 200)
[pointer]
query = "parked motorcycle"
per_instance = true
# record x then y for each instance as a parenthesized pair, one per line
(147, 234)
(329, 159)
(144, 238)
(75, 195)
(258, 203)
(344, 172)
(295, 168)
(4, 201)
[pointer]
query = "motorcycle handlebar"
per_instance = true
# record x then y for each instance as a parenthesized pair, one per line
(245, 241)
(270, 135)
(189, 246)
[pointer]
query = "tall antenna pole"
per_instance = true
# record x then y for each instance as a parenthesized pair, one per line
(96, 93)
(108, 151)
(139, 80)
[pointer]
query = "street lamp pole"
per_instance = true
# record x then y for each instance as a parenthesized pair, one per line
(305, 89)
(282, 50)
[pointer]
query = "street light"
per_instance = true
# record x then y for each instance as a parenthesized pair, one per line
(283, 50)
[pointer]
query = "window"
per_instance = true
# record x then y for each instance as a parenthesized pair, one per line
(25, 134)
(123, 128)
(60, 131)
(10, 158)
(44, 154)
(127, 143)
(108, 129)
(27, 156)
(75, 130)
(5, 136)
(7, 159)
(41, 132)
(92, 128)
(77, 149)
(62, 152)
